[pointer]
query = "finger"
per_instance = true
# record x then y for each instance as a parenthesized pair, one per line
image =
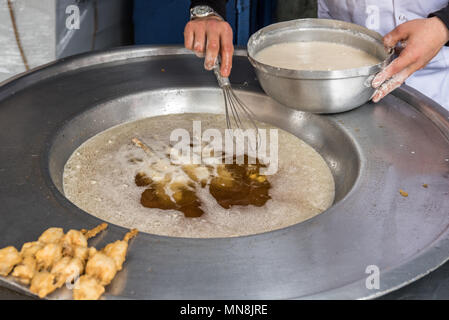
(227, 51)
(212, 48)
(199, 42)
(405, 59)
(392, 84)
(385, 89)
(188, 36)
(400, 46)
(399, 33)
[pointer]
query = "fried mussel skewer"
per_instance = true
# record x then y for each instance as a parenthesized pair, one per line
(57, 258)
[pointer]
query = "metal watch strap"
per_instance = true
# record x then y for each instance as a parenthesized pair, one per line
(203, 11)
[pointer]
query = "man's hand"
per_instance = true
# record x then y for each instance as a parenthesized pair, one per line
(422, 39)
(211, 36)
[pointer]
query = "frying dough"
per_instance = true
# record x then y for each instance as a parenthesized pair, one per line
(315, 56)
(99, 178)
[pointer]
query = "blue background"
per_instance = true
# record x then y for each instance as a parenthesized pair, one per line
(163, 22)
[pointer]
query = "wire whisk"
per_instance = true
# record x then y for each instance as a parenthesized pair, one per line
(238, 115)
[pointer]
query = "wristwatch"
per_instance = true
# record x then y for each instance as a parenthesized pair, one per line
(203, 12)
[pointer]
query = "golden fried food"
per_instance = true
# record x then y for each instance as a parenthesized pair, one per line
(30, 248)
(59, 258)
(43, 283)
(67, 270)
(102, 267)
(75, 242)
(91, 252)
(117, 250)
(93, 232)
(87, 288)
(9, 257)
(48, 255)
(74, 238)
(131, 234)
(25, 271)
(51, 235)
(71, 240)
(81, 253)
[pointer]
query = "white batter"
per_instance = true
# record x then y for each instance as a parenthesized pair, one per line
(315, 55)
(99, 179)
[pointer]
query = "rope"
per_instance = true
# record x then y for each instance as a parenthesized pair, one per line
(17, 36)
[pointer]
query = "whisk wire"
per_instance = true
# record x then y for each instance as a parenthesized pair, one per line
(249, 114)
(228, 120)
(235, 113)
(235, 108)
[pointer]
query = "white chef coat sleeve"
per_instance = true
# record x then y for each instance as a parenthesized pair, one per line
(323, 10)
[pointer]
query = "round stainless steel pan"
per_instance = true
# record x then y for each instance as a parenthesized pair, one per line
(373, 151)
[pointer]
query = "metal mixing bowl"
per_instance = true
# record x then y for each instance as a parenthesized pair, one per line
(318, 91)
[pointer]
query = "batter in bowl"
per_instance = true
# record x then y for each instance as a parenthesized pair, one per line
(315, 56)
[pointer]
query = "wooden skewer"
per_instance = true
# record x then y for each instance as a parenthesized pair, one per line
(93, 232)
(131, 234)
(143, 146)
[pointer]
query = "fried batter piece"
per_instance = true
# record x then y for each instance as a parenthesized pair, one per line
(48, 255)
(25, 271)
(75, 254)
(93, 232)
(102, 267)
(87, 288)
(67, 270)
(117, 250)
(43, 283)
(30, 248)
(51, 235)
(81, 253)
(9, 257)
(74, 238)
(56, 258)
(74, 241)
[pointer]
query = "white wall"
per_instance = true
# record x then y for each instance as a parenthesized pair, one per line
(45, 37)
(36, 23)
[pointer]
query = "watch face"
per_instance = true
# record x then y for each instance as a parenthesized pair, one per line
(201, 11)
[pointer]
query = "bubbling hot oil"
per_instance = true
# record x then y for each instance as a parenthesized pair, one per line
(232, 184)
(107, 176)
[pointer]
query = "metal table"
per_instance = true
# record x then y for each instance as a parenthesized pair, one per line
(433, 286)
